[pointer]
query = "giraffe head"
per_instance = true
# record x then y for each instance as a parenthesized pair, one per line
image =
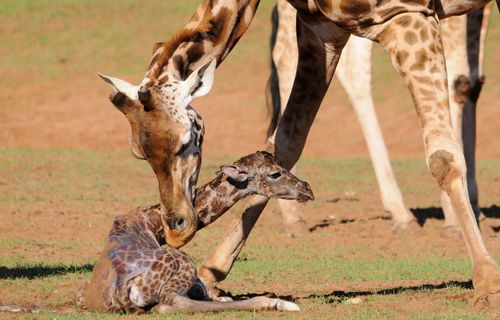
(258, 173)
(168, 133)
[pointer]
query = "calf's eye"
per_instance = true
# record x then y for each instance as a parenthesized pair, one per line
(275, 175)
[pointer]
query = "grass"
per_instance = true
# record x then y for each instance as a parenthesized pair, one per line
(34, 178)
(50, 39)
(57, 204)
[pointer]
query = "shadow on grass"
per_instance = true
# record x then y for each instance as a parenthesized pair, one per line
(325, 223)
(245, 296)
(42, 271)
(422, 214)
(339, 296)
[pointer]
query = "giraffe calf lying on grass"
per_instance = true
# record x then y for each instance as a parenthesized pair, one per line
(135, 274)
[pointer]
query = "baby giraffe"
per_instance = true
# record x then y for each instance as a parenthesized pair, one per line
(135, 274)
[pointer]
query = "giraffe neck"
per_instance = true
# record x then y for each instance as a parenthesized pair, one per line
(216, 197)
(152, 216)
(211, 201)
(211, 33)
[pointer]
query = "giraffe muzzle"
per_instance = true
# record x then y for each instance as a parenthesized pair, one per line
(305, 192)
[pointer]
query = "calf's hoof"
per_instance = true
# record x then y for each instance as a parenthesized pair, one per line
(283, 305)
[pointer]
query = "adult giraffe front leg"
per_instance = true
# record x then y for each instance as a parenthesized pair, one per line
(285, 58)
(354, 72)
(414, 45)
(320, 43)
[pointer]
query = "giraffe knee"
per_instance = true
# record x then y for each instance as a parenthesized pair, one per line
(467, 90)
(462, 88)
(445, 168)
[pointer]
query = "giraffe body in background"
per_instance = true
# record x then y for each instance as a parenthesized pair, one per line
(463, 40)
(135, 274)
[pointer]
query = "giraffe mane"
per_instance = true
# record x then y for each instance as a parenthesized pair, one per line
(172, 44)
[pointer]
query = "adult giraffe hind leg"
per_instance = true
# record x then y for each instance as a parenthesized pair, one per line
(354, 72)
(413, 43)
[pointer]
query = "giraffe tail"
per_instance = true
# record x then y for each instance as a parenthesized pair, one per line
(272, 89)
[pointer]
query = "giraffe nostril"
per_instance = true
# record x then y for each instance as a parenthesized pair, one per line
(304, 185)
(305, 191)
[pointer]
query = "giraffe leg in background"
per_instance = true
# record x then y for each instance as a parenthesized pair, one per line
(354, 72)
(463, 41)
(413, 43)
(285, 56)
(356, 80)
(477, 26)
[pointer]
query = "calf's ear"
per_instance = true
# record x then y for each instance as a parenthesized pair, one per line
(234, 173)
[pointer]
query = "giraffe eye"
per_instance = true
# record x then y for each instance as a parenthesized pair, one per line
(180, 224)
(275, 175)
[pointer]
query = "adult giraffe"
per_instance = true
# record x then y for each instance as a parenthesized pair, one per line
(463, 41)
(323, 28)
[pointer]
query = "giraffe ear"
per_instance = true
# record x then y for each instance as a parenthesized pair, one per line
(234, 173)
(121, 86)
(201, 80)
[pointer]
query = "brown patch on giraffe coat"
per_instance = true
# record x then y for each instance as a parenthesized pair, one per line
(424, 80)
(444, 169)
(385, 36)
(421, 58)
(424, 34)
(180, 65)
(426, 93)
(435, 69)
(401, 57)
(218, 26)
(438, 84)
(354, 8)
(404, 21)
(410, 37)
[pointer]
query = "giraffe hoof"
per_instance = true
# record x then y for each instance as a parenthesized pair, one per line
(297, 228)
(489, 301)
(451, 232)
(406, 227)
(222, 299)
(283, 305)
(485, 227)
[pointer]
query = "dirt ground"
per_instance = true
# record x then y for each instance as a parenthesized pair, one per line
(67, 119)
